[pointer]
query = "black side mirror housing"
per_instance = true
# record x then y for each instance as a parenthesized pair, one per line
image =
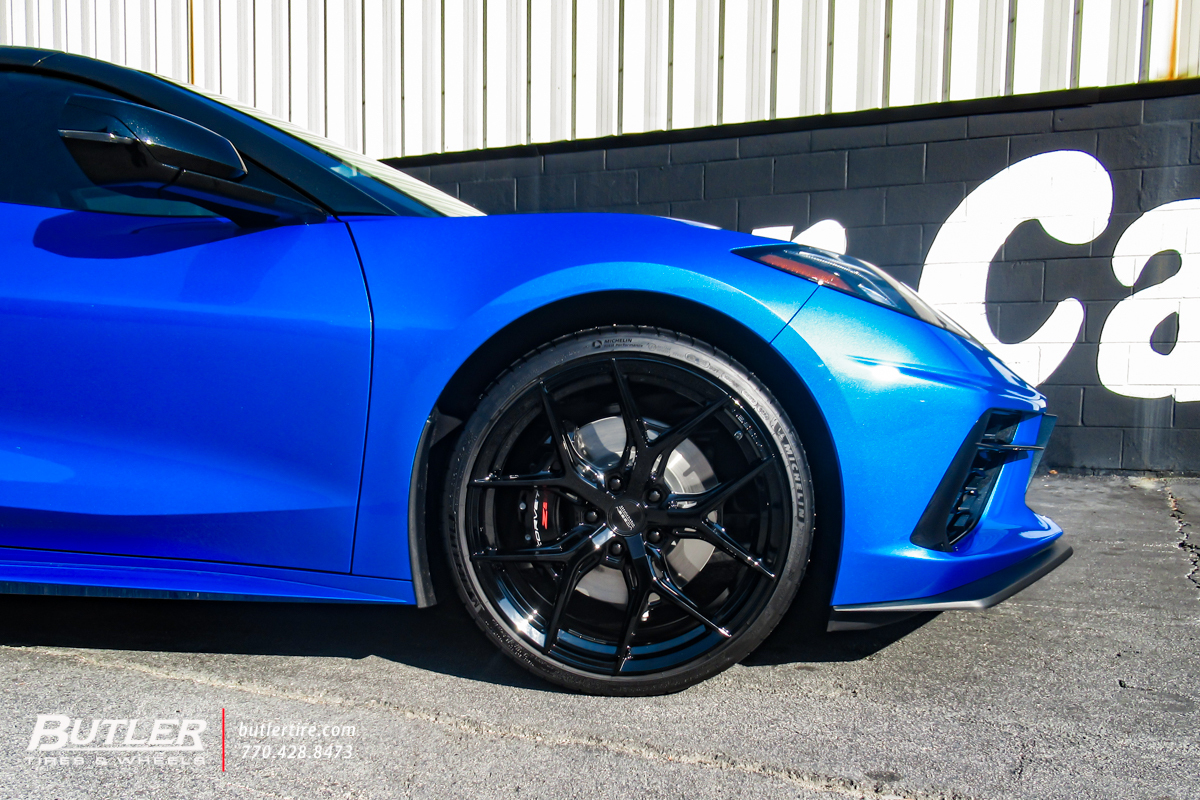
(144, 152)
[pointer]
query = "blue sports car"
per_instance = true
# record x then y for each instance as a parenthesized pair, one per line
(241, 362)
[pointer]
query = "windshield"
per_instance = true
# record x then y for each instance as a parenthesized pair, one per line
(395, 189)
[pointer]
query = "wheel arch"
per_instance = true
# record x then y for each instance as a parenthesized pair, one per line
(599, 309)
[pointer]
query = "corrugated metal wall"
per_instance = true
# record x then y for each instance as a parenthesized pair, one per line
(404, 77)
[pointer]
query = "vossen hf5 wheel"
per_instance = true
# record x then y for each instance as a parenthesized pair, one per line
(628, 512)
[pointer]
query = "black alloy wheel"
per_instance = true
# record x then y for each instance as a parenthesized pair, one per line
(628, 512)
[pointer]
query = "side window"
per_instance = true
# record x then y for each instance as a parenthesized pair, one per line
(37, 170)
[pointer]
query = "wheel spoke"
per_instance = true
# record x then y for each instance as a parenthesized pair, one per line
(562, 445)
(584, 560)
(674, 436)
(668, 591)
(573, 465)
(636, 438)
(540, 479)
(566, 548)
(699, 505)
(709, 531)
(638, 580)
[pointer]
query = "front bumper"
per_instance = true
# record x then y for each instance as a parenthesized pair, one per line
(975, 596)
(898, 397)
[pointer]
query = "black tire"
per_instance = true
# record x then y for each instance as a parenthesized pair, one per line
(708, 511)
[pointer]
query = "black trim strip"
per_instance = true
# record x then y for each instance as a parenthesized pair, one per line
(418, 548)
(975, 596)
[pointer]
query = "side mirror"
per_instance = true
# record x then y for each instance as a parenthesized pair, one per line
(144, 152)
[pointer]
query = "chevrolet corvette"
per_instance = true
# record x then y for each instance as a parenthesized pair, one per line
(241, 362)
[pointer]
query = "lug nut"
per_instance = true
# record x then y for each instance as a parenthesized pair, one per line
(616, 548)
(654, 496)
(591, 516)
(614, 484)
(654, 536)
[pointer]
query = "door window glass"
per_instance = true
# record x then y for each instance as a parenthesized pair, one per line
(36, 168)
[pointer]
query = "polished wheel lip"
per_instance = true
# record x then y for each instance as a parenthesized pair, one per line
(627, 488)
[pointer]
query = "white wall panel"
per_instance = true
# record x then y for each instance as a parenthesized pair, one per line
(307, 68)
(633, 73)
(1188, 52)
(344, 72)
(990, 58)
(964, 51)
(931, 35)
(816, 42)
(708, 44)
(902, 78)
(1057, 32)
(271, 59)
(81, 27)
(505, 72)
(465, 47)
(1124, 42)
(140, 49)
(205, 47)
(560, 87)
(430, 117)
(737, 59)
(412, 77)
(1093, 57)
(110, 30)
(586, 65)
(383, 120)
(606, 69)
(683, 63)
(846, 62)
(595, 68)
(654, 98)
(393, 77)
(24, 23)
(1027, 71)
(52, 23)
(868, 92)
(789, 60)
(171, 40)
(540, 78)
(236, 49)
(758, 59)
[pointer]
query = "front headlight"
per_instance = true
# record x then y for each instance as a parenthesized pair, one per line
(852, 276)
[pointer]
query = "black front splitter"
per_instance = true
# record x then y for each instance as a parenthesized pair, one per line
(974, 596)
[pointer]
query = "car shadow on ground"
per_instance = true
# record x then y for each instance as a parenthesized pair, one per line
(799, 639)
(439, 639)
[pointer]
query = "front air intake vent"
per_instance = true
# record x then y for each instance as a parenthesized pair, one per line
(962, 496)
(994, 450)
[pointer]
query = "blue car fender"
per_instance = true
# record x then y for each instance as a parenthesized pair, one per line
(442, 288)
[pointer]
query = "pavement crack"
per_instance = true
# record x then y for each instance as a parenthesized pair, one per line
(862, 789)
(1185, 543)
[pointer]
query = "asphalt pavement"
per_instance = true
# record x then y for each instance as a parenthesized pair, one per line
(1085, 685)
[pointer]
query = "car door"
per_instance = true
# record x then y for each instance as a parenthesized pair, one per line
(171, 385)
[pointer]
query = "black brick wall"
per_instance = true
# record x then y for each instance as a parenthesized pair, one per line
(892, 183)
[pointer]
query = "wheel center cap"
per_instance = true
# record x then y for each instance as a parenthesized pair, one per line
(627, 517)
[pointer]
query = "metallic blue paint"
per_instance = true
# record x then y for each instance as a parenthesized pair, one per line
(899, 396)
(180, 389)
(194, 409)
(187, 392)
(475, 275)
(31, 572)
